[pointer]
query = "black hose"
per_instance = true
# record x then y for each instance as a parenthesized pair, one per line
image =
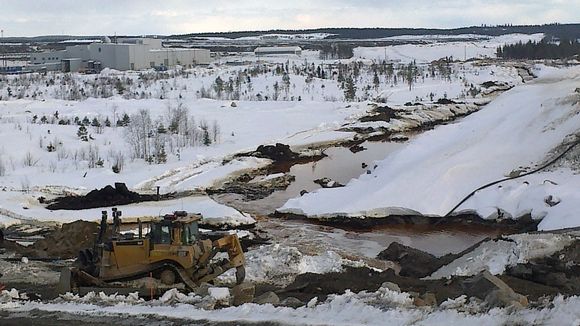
(512, 178)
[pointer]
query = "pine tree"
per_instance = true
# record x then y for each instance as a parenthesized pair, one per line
(349, 89)
(95, 122)
(161, 156)
(82, 133)
(107, 122)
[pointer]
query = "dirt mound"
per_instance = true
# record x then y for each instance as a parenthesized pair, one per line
(62, 243)
(278, 152)
(445, 101)
(413, 262)
(105, 197)
(383, 113)
(67, 241)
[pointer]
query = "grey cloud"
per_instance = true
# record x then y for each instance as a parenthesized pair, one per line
(95, 17)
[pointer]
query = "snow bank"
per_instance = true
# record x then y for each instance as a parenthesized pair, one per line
(439, 168)
(279, 264)
(26, 207)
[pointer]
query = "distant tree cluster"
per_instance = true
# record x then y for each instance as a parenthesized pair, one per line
(336, 51)
(540, 50)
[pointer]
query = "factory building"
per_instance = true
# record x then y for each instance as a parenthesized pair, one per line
(126, 54)
(274, 50)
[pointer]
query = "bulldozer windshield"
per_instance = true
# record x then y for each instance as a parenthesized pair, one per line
(161, 234)
(190, 233)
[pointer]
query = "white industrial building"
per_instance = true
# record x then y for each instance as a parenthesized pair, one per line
(274, 50)
(126, 54)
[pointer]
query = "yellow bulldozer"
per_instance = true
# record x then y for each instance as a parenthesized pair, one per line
(173, 251)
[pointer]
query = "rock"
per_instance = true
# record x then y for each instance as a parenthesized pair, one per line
(203, 289)
(221, 295)
(207, 303)
(234, 105)
(24, 260)
(328, 183)
(291, 302)
(492, 290)
(391, 286)
(243, 293)
(430, 299)
(504, 298)
(413, 262)
(418, 302)
(356, 148)
(268, 298)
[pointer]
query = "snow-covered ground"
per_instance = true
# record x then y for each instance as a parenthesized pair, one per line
(33, 107)
(440, 167)
(437, 49)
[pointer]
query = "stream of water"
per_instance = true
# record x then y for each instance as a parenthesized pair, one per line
(342, 165)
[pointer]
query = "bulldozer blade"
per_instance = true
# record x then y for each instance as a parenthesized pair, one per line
(64, 282)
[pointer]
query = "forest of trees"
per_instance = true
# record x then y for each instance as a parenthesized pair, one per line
(540, 50)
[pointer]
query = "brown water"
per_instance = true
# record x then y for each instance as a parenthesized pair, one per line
(342, 165)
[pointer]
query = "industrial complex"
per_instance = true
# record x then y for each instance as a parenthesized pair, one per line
(124, 54)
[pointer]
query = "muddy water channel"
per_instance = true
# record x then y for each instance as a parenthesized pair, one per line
(342, 165)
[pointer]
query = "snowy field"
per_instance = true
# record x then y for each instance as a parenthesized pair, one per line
(44, 153)
(436, 49)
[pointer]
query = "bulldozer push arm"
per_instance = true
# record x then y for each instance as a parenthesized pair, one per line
(231, 245)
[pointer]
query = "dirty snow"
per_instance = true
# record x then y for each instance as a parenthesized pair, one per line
(496, 255)
(279, 264)
(350, 308)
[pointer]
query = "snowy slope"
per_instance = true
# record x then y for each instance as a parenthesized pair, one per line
(436, 170)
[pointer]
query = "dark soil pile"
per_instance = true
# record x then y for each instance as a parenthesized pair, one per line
(278, 152)
(383, 113)
(308, 286)
(445, 101)
(105, 197)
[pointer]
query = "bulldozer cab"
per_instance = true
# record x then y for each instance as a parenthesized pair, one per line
(175, 229)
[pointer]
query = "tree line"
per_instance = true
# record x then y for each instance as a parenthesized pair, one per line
(540, 50)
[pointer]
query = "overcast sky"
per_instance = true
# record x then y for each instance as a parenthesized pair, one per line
(99, 17)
